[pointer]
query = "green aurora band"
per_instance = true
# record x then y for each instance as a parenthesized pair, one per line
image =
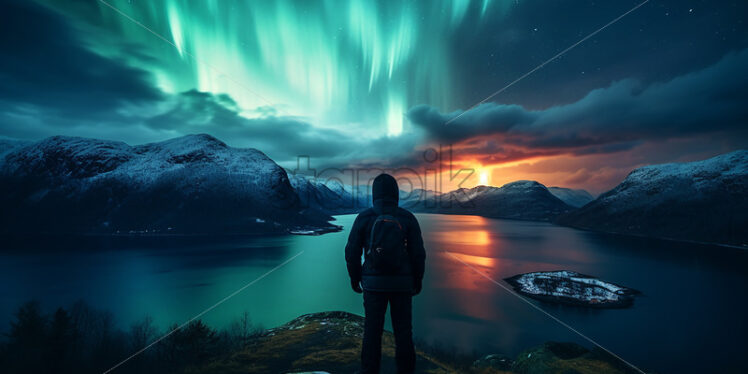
(344, 64)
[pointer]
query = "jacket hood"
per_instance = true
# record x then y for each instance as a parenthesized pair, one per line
(384, 191)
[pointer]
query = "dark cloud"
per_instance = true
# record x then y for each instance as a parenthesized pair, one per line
(637, 94)
(46, 67)
(51, 83)
(615, 118)
(484, 119)
(598, 173)
(283, 138)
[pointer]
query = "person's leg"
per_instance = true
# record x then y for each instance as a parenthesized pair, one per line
(375, 307)
(401, 310)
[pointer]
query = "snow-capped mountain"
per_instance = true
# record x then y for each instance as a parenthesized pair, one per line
(574, 197)
(329, 196)
(416, 199)
(527, 200)
(7, 145)
(700, 201)
(190, 184)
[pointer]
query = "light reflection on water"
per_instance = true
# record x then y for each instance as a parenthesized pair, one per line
(172, 279)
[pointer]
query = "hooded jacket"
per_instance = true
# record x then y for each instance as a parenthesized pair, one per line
(385, 197)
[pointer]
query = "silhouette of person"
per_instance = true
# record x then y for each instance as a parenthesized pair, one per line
(392, 272)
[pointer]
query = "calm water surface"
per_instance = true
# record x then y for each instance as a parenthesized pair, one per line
(691, 317)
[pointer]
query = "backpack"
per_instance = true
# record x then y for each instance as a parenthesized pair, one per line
(388, 246)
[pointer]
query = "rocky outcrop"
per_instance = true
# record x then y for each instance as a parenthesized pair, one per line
(327, 342)
(493, 361)
(330, 342)
(568, 358)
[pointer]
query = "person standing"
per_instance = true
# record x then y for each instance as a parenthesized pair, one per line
(389, 238)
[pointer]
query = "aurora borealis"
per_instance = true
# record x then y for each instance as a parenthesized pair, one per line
(373, 82)
(335, 62)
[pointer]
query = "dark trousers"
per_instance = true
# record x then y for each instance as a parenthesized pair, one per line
(401, 308)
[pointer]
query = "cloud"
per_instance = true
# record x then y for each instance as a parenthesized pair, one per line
(46, 67)
(283, 138)
(599, 172)
(482, 120)
(610, 119)
(52, 83)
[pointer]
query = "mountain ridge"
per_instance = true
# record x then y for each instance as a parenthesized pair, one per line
(574, 197)
(702, 201)
(194, 183)
(523, 200)
(198, 184)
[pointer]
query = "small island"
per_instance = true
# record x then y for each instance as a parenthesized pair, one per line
(568, 287)
(314, 231)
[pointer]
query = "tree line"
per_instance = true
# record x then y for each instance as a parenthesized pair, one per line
(83, 339)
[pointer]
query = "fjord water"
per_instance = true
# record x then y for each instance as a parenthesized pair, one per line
(689, 318)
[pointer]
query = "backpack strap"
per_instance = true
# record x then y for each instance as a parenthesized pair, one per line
(383, 217)
(371, 233)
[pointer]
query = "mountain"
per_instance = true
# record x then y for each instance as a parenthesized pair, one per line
(575, 198)
(332, 197)
(329, 196)
(519, 200)
(191, 184)
(415, 200)
(7, 145)
(702, 201)
(526, 200)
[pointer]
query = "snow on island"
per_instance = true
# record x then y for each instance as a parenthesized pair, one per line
(314, 231)
(568, 287)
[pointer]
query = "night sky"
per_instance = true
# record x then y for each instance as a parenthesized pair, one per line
(373, 82)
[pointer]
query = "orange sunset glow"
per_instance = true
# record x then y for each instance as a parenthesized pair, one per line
(476, 247)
